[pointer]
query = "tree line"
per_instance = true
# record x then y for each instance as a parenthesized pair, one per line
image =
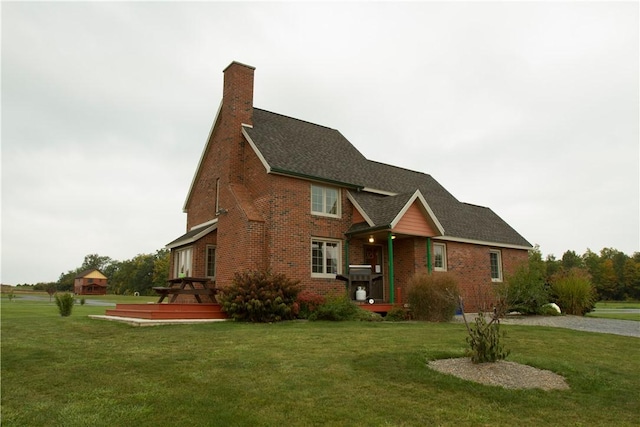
(138, 274)
(615, 275)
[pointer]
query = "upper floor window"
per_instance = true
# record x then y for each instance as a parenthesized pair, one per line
(495, 260)
(325, 200)
(439, 257)
(325, 257)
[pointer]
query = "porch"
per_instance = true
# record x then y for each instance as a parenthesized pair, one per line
(93, 290)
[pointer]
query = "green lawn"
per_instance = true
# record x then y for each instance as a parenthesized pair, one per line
(81, 372)
(615, 310)
(618, 305)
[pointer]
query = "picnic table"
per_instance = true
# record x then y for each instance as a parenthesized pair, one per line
(186, 286)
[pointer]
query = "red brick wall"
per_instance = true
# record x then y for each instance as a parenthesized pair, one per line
(470, 263)
(225, 150)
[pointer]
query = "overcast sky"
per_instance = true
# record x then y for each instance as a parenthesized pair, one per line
(528, 108)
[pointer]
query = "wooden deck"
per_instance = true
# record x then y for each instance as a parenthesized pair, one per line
(173, 311)
(168, 311)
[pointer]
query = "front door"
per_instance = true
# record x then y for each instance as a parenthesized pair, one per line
(373, 257)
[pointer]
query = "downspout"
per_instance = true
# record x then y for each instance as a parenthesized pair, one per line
(392, 298)
(429, 263)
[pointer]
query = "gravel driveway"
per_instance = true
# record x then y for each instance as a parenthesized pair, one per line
(628, 328)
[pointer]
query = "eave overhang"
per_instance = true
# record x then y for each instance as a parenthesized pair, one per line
(196, 233)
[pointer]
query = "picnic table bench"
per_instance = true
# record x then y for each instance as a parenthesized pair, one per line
(185, 286)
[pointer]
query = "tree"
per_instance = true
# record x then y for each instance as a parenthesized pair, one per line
(525, 289)
(608, 287)
(51, 290)
(161, 267)
(631, 279)
(552, 265)
(95, 261)
(593, 265)
(570, 259)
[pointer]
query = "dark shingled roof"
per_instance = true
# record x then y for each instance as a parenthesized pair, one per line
(295, 147)
(382, 210)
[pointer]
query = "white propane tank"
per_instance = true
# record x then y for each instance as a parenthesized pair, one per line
(361, 294)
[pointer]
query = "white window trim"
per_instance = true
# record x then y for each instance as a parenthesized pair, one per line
(338, 213)
(215, 261)
(444, 257)
(499, 254)
(324, 258)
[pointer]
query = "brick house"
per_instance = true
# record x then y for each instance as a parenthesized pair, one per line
(276, 193)
(90, 282)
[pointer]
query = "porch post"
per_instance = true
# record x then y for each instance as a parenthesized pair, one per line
(392, 297)
(429, 264)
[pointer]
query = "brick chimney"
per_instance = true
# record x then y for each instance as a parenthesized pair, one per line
(237, 109)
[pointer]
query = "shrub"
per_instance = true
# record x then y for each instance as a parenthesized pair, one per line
(433, 297)
(65, 304)
(308, 302)
(549, 310)
(485, 340)
(524, 291)
(260, 297)
(341, 309)
(574, 292)
(397, 314)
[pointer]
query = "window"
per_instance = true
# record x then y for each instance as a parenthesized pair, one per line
(325, 257)
(211, 261)
(182, 263)
(495, 260)
(439, 257)
(325, 200)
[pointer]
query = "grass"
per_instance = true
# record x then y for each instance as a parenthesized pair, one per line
(612, 308)
(76, 371)
(19, 294)
(612, 305)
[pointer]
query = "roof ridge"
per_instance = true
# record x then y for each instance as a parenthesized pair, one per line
(474, 205)
(400, 167)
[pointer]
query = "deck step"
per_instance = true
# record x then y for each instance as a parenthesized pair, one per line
(168, 311)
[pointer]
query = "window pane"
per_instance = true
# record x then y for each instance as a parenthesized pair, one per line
(211, 262)
(438, 259)
(332, 258)
(317, 257)
(494, 258)
(182, 263)
(332, 201)
(317, 199)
